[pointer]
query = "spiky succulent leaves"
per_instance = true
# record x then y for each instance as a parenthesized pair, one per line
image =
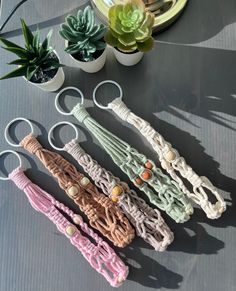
(28, 35)
(130, 27)
(33, 57)
(83, 35)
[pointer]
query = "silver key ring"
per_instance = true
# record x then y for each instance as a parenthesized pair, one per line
(14, 153)
(99, 85)
(6, 131)
(58, 107)
(52, 129)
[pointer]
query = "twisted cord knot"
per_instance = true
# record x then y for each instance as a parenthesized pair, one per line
(104, 201)
(92, 249)
(169, 207)
(74, 149)
(80, 112)
(19, 178)
(146, 130)
(120, 108)
(194, 179)
(31, 144)
(90, 213)
(138, 215)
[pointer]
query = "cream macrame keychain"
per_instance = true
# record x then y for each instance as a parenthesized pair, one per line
(169, 157)
(147, 221)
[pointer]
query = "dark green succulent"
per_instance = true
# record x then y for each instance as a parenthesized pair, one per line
(83, 35)
(35, 57)
(130, 27)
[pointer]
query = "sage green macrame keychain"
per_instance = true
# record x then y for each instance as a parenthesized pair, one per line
(160, 189)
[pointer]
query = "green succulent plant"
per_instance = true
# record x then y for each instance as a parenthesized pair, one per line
(83, 35)
(130, 27)
(34, 57)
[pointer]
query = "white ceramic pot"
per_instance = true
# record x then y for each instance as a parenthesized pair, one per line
(128, 59)
(54, 84)
(93, 66)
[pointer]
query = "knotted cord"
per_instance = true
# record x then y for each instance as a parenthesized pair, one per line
(141, 171)
(147, 221)
(103, 215)
(99, 254)
(172, 162)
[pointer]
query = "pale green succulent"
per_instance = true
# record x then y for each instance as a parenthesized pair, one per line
(83, 35)
(130, 27)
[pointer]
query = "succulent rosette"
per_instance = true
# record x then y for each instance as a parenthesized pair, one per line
(130, 27)
(83, 35)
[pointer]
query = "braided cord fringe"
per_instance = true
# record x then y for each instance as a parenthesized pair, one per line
(147, 221)
(169, 198)
(172, 162)
(103, 215)
(100, 256)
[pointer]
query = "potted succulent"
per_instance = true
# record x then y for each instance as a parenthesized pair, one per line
(130, 31)
(85, 40)
(38, 63)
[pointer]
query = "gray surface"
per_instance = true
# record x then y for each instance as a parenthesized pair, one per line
(186, 89)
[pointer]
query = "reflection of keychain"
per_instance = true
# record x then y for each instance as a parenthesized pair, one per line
(169, 157)
(103, 215)
(100, 255)
(141, 171)
(147, 221)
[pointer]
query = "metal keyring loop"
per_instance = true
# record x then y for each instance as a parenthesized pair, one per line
(58, 108)
(14, 153)
(51, 131)
(6, 131)
(102, 83)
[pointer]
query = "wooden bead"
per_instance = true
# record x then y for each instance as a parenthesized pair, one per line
(170, 156)
(114, 199)
(116, 191)
(120, 279)
(84, 181)
(148, 165)
(73, 191)
(146, 175)
(70, 230)
(77, 219)
(138, 181)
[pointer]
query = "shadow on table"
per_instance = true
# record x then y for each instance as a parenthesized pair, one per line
(200, 21)
(147, 271)
(180, 80)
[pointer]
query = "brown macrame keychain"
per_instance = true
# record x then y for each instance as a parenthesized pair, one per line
(103, 215)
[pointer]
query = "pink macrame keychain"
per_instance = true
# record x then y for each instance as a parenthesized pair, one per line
(147, 221)
(99, 255)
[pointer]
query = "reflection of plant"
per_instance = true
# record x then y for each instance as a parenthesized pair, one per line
(35, 57)
(84, 37)
(130, 27)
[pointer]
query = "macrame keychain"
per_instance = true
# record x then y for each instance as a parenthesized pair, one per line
(141, 171)
(98, 253)
(169, 157)
(103, 215)
(147, 221)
